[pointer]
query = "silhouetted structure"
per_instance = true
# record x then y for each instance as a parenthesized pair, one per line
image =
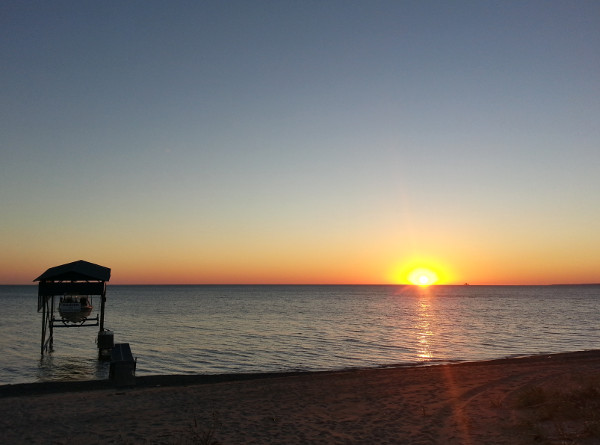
(122, 365)
(73, 282)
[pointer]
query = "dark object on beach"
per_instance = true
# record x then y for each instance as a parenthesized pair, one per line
(122, 365)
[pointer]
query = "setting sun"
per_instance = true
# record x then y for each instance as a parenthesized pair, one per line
(421, 271)
(422, 277)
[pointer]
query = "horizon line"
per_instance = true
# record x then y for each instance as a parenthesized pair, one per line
(324, 284)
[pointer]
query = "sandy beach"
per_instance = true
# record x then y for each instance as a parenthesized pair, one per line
(507, 401)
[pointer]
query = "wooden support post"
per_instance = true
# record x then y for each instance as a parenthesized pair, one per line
(47, 324)
(51, 318)
(43, 327)
(103, 299)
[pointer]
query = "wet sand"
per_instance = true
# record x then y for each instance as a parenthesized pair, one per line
(467, 403)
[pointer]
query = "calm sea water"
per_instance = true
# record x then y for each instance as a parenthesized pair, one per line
(229, 329)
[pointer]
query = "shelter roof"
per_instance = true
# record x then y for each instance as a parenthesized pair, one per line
(76, 271)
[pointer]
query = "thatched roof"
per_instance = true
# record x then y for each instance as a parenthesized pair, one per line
(76, 271)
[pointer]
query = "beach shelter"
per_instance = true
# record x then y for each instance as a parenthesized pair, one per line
(65, 281)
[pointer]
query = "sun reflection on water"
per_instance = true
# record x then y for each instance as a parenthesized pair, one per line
(424, 327)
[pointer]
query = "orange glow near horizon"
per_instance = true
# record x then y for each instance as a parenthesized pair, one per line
(421, 272)
(177, 265)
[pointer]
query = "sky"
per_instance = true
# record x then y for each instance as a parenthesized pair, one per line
(301, 142)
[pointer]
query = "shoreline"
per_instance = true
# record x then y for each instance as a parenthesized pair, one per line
(174, 380)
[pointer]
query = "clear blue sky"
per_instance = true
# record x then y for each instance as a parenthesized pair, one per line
(306, 141)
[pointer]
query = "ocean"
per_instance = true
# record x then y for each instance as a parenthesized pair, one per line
(246, 329)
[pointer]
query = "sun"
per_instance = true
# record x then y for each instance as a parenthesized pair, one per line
(421, 271)
(424, 279)
(422, 276)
